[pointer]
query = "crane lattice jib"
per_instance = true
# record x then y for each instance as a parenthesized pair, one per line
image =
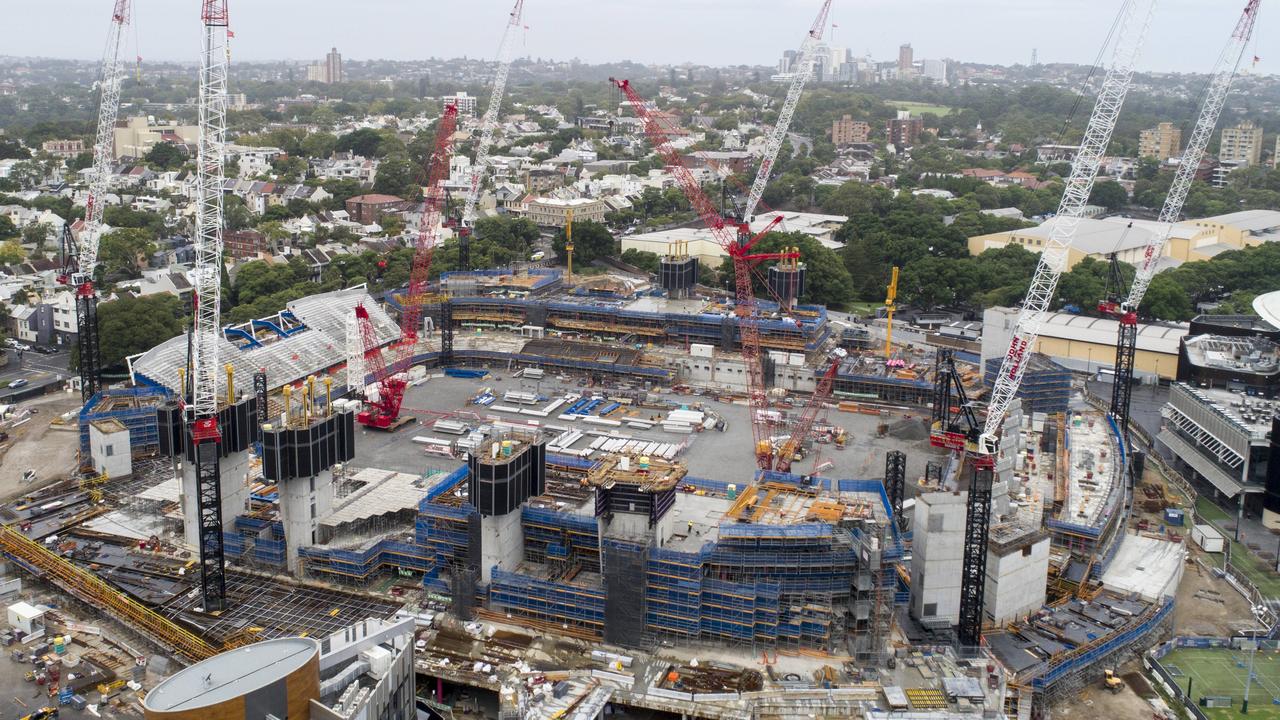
(489, 123)
(804, 62)
(108, 109)
(429, 226)
(1215, 97)
(736, 241)
(801, 430)
(391, 388)
(1135, 18)
(207, 283)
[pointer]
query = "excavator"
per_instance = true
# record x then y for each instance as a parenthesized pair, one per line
(1111, 681)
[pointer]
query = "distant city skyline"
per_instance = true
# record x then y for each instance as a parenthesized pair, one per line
(705, 32)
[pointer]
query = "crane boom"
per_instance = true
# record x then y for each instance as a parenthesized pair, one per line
(804, 426)
(108, 109)
(384, 412)
(80, 254)
(489, 122)
(737, 242)
(1134, 20)
(804, 59)
(429, 226)
(1215, 97)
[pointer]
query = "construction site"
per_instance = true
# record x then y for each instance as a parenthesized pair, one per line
(532, 494)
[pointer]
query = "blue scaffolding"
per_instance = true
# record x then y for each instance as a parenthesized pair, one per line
(135, 408)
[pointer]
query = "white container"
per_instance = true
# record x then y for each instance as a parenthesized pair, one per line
(1208, 538)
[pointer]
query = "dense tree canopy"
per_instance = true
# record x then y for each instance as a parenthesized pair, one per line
(132, 325)
(591, 241)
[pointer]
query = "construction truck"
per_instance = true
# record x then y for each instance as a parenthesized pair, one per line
(44, 713)
(1111, 681)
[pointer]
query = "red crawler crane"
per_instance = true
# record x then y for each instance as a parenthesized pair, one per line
(737, 241)
(383, 412)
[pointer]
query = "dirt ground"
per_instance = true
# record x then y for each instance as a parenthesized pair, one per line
(35, 445)
(1097, 702)
(1202, 615)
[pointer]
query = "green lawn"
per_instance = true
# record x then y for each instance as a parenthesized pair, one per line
(919, 108)
(1260, 572)
(1215, 671)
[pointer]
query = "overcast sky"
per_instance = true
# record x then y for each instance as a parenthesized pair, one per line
(716, 32)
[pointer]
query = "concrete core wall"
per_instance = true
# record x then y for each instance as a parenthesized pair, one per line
(501, 543)
(937, 556)
(235, 495)
(1016, 577)
(303, 501)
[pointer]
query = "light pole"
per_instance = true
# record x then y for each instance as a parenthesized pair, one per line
(1252, 647)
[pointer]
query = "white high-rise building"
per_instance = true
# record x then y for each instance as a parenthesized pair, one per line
(935, 70)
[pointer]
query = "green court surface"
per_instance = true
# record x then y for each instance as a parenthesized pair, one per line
(919, 108)
(1218, 671)
(1259, 571)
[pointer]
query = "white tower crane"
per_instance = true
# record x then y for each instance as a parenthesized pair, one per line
(1136, 16)
(801, 75)
(81, 256)
(489, 122)
(202, 408)
(1214, 98)
(1126, 311)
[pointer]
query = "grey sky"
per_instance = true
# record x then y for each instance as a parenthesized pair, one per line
(720, 32)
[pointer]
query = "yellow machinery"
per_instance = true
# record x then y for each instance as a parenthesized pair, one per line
(890, 298)
(568, 242)
(1112, 682)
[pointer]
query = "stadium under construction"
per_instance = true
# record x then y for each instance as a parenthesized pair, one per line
(576, 468)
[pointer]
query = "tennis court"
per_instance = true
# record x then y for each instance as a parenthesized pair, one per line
(1221, 672)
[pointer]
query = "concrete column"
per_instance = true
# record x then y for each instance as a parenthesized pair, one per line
(303, 501)
(235, 495)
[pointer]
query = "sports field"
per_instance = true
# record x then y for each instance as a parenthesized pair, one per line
(919, 108)
(1221, 671)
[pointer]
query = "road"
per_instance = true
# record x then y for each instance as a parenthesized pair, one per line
(35, 369)
(799, 141)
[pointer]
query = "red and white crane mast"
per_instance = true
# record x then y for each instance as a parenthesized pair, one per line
(202, 406)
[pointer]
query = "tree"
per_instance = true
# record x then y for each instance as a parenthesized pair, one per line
(364, 142)
(7, 228)
(591, 241)
(27, 174)
(80, 162)
(643, 259)
(395, 177)
(1166, 300)
(166, 156)
(1109, 194)
(121, 253)
(11, 253)
(318, 145)
(132, 325)
(37, 234)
